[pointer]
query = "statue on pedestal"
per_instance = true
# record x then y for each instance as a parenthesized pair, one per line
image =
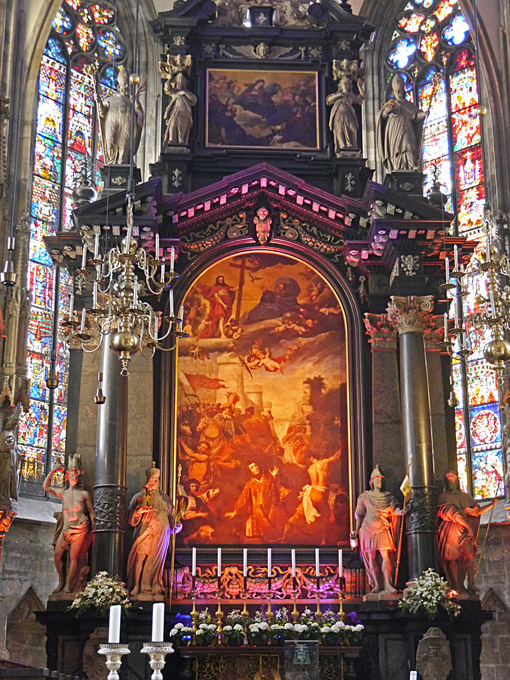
(155, 519)
(459, 521)
(343, 121)
(376, 512)
(433, 658)
(8, 464)
(178, 113)
(399, 130)
(74, 529)
(115, 121)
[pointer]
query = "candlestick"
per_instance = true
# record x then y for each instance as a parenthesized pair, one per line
(157, 652)
(158, 621)
(318, 611)
(293, 562)
(127, 243)
(172, 259)
(114, 653)
(193, 561)
(317, 563)
(295, 611)
(84, 257)
(219, 616)
(245, 562)
(114, 624)
(194, 614)
(171, 302)
(340, 564)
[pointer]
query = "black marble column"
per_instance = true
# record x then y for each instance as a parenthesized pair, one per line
(111, 461)
(411, 317)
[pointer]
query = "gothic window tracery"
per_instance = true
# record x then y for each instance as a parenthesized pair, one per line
(67, 147)
(433, 50)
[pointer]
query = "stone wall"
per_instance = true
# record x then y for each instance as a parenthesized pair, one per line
(494, 583)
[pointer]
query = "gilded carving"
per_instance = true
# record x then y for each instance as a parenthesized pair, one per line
(313, 237)
(411, 314)
(382, 334)
(197, 242)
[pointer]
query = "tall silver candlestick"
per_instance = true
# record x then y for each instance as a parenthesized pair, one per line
(157, 652)
(114, 653)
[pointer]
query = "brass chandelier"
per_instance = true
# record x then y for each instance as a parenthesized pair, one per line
(121, 279)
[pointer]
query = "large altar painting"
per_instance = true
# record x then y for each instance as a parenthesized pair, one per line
(262, 406)
(269, 109)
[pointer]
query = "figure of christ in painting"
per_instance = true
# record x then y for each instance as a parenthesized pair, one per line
(312, 515)
(259, 506)
(221, 298)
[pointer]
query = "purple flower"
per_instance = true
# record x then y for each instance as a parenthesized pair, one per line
(351, 619)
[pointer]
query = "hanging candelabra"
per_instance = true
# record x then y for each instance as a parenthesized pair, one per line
(487, 283)
(121, 277)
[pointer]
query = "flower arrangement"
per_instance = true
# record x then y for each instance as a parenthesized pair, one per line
(429, 595)
(328, 628)
(100, 593)
(181, 635)
(233, 630)
(207, 631)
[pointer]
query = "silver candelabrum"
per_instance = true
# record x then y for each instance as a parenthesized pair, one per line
(156, 651)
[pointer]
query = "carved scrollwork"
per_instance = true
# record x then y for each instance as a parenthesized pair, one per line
(197, 242)
(381, 332)
(422, 510)
(313, 237)
(411, 314)
(110, 508)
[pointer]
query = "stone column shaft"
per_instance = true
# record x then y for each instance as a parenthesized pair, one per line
(411, 316)
(111, 463)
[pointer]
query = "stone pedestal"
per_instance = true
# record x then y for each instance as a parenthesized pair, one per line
(408, 181)
(116, 178)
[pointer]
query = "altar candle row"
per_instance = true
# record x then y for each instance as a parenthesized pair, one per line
(269, 562)
(158, 622)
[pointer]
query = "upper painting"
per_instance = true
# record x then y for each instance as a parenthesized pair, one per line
(263, 109)
(263, 413)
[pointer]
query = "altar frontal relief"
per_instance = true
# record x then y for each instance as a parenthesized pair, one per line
(262, 406)
(270, 109)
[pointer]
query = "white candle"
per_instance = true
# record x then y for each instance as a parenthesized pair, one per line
(163, 271)
(445, 327)
(172, 259)
(96, 246)
(128, 239)
(156, 248)
(181, 317)
(94, 295)
(447, 269)
(245, 562)
(457, 312)
(158, 621)
(71, 306)
(193, 561)
(293, 562)
(413, 675)
(456, 258)
(171, 302)
(269, 565)
(114, 627)
(82, 327)
(219, 562)
(317, 562)
(340, 564)
(84, 256)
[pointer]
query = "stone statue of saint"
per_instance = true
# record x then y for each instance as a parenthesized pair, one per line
(8, 464)
(376, 511)
(155, 519)
(433, 658)
(343, 121)
(399, 130)
(459, 521)
(178, 115)
(74, 532)
(115, 120)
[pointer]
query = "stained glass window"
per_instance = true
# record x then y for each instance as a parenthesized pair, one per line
(66, 145)
(432, 49)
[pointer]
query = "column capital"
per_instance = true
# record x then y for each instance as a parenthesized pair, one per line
(382, 334)
(411, 314)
